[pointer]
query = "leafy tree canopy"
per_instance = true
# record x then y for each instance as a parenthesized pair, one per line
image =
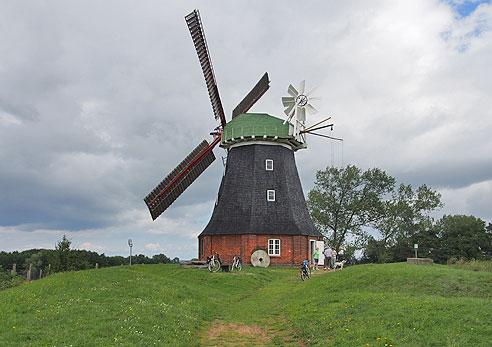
(406, 212)
(464, 237)
(346, 202)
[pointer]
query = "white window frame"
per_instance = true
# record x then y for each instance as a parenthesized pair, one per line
(269, 164)
(270, 194)
(274, 247)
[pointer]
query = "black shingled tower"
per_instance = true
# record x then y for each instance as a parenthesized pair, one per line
(242, 206)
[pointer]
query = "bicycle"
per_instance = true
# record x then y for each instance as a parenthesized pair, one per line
(305, 270)
(214, 262)
(237, 263)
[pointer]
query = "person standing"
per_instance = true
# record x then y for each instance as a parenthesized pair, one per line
(328, 254)
(340, 254)
(316, 258)
(333, 257)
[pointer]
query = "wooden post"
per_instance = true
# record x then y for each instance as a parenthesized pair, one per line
(40, 273)
(97, 265)
(29, 274)
(14, 269)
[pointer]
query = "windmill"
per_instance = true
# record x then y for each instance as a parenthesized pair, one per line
(260, 209)
(174, 184)
(296, 105)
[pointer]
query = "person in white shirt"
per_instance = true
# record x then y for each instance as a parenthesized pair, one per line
(328, 255)
(340, 254)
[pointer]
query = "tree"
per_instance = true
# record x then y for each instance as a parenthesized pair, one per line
(62, 257)
(428, 241)
(464, 237)
(160, 259)
(407, 213)
(374, 251)
(344, 201)
(8, 259)
(39, 261)
(140, 259)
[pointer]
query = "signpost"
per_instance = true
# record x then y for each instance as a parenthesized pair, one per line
(130, 243)
(419, 261)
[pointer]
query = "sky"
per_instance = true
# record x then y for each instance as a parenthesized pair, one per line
(99, 100)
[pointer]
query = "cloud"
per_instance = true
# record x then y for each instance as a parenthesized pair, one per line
(153, 246)
(470, 200)
(91, 247)
(98, 104)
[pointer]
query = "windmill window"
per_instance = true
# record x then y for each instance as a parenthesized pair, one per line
(274, 247)
(269, 164)
(270, 195)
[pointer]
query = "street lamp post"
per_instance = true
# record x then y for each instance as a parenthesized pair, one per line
(130, 243)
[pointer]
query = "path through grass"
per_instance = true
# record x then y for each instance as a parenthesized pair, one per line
(145, 305)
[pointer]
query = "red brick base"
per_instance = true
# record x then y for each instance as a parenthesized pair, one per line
(293, 249)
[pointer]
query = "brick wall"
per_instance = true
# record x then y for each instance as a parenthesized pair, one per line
(293, 249)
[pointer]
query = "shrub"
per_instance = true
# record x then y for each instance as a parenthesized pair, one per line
(8, 280)
(452, 261)
(472, 265)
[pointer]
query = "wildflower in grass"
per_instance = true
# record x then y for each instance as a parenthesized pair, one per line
(13, 327)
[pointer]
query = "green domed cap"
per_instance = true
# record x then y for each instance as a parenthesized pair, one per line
(257, 127)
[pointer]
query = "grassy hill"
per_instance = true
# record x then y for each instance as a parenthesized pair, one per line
(146, 305)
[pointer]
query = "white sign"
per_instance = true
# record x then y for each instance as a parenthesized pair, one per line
(416, 246)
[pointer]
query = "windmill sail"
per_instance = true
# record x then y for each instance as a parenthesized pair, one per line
(180, 178)
(249, 100)
(197, 34)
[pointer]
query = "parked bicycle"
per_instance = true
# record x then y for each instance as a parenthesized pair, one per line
(214, 262)
(305, 270)
(237, 264)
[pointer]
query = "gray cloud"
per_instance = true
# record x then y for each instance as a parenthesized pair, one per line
(99, 101)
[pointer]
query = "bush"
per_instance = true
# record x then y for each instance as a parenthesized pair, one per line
(8, 280)
(452, 261)
(472, 265)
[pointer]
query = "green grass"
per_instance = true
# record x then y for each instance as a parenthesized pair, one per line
(397, 304)
(139, 305)
(145, 305)
(473, 265)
